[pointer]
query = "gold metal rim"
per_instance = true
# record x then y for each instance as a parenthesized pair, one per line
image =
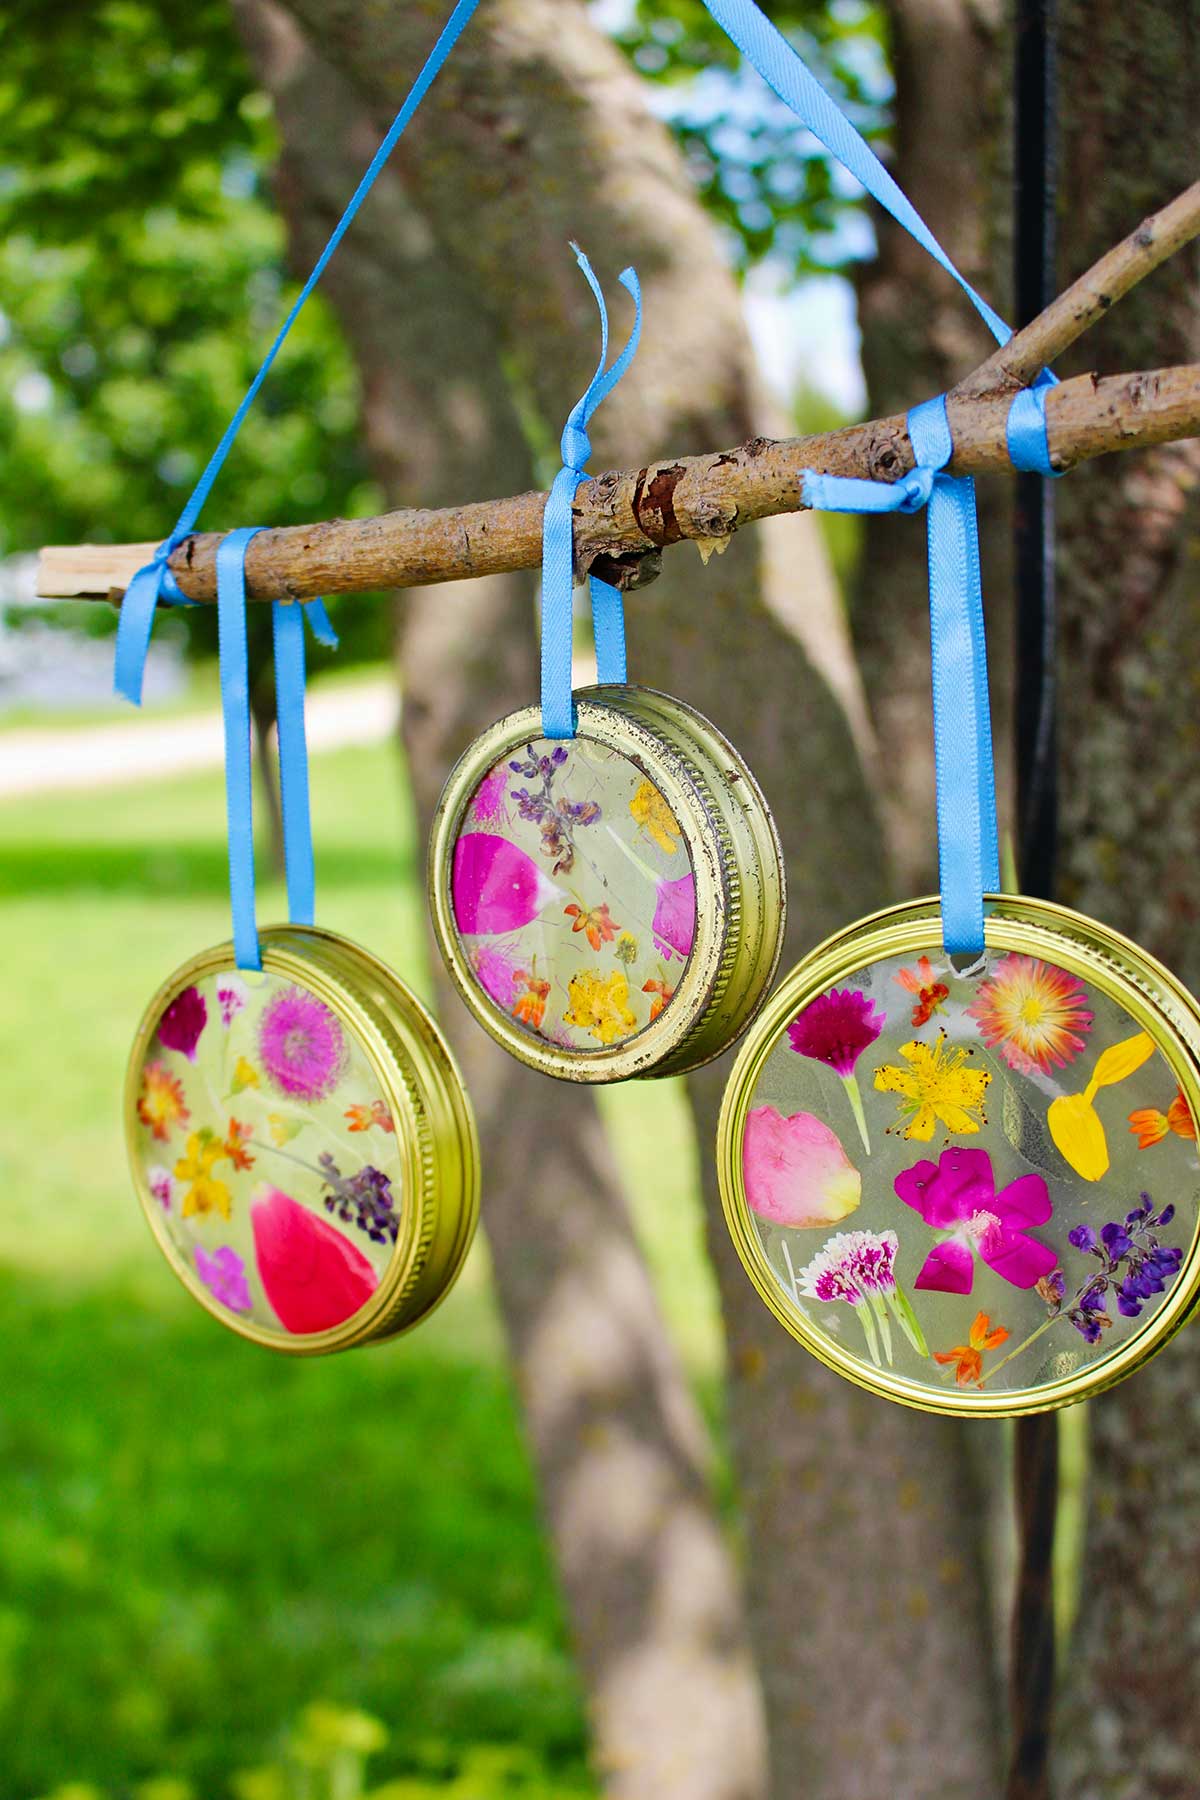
(1119, 968)
(436, 1135)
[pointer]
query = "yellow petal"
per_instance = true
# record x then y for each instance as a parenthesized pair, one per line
(1076, 1129)
(921, 1127)
(955, 1119)
(891, 1080)
(1122, 1059)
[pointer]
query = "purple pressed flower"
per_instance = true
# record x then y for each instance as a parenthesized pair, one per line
(162, 1185)
(1052, 1289)
(364, 1200)
(1116, 1241)
(1083, 1237)
(301, 1045)
(224, 1275)
(957, 1197)
(182, 1023)
(1165, 1216)
(836, 1028)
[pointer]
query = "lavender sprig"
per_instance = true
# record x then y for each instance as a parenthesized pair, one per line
(363, 1199)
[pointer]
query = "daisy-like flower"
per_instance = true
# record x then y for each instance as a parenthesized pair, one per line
(596, 921)
(968, 1358)
(1033, 1014)
(600, 1005)
(231, 998)
(859, 1268)
(224, 1275)
(301, 1045)
(937, 1085)
(931, 994)
(652, 814)
(205, 1193)
(835, 1029)
(182, 1023)
(1150, 1126)
(161, 1103)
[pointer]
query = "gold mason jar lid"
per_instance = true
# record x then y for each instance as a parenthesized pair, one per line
(973, 1192)
(301, 1143)
(613, 904)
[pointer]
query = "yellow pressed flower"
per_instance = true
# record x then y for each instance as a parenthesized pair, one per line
(936, 1085)
(601, 1005)
(652, 813)
(1074, 1123)
(283, 1129)
(205, 1193)
(244, 1075)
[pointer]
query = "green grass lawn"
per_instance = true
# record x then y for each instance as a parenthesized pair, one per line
(219, 1567)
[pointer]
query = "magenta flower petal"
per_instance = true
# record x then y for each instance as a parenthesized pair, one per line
(836, 1028)
(313, 1277)
(795, 1169)
(495, 886)
(1017, 1259)
(182, 1023)
(674, 924)
(497, 975)
(1025, 1201)
(954, 1190)
(948, 1269)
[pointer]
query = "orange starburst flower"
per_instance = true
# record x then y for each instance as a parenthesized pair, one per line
(968, 1357)
(235, 1145)
(931, 994)
(160, 1103)
(663, 995)
(1032, 1013)
(595, 921)
(1150, 1126)
(361, 1118)
(530, 1008)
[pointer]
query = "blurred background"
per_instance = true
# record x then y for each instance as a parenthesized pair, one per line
(681, 1563)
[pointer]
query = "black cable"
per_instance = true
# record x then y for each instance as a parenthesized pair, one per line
(1035, 1470)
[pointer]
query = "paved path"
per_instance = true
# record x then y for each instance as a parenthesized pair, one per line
(43, 758)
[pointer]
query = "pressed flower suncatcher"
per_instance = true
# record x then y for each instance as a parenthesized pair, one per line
(971, 1191)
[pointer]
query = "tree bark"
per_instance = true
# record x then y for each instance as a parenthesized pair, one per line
(862, 1524)
(1129, 596)
(624, 1461)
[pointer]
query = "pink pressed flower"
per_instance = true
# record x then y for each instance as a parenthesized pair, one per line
(162, 1185)
(795, 1169)
(487, 802)
(674, 925)
(301, 1045)
(957, 1197)
(851, 1266)
(836, 1028)
(224, 1275)
(231, 997)
(313, 1277)
(497, 974)
(495, 886)
(182, 1023)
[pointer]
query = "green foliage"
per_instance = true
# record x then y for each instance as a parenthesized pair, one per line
(760, 173)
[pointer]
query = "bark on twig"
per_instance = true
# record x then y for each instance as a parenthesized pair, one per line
(624, 518)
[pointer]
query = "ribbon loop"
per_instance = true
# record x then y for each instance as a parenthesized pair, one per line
(558, 546)
(1028, 444)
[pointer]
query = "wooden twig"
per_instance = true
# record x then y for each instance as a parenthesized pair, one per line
(624, 519)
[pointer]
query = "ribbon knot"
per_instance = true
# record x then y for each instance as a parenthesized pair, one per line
(576, 446)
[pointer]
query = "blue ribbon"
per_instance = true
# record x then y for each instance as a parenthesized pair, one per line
(1028, 445)
(288, 631)
(558, 555)
(154, 581)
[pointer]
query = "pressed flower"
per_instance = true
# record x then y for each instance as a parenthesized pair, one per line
(957, 1198)
(162, 1185)
(796, 1171)
(161, 1102)
(1150, 1126)
(557, 818)
(362, 1118)
(497, 973)
(674, 923)
(487, 802)
(663, 995)
(859, 1269)
(1076, 1126)
(968, 1357)
(495, 886)
(282, 1128)
(205, 1193)
(626, 948)
(600, 1005)
(364, 1199)
(183, 1022)
(312, 1275)
(652, 814)
(245, 1075)
(596, 921)
(835, 1029)
(530, 1007)
(931, 994)
(224, 1275)
(235, 1145)
(938, 1085)
(231, 998)
(1033, 1014)
(301, 1045)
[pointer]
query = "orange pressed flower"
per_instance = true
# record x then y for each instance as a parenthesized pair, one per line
(663, 995)
(595, 921)
(530, 1008)
(968, 1357)
(361, 1118)
(1150, 1126)
(931, 994)
(235, 1145)
(160, 1103)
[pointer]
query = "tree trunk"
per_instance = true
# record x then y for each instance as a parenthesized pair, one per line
(862, 1526)
(1129, 592)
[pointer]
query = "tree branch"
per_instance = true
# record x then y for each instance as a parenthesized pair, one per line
(624, 518)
